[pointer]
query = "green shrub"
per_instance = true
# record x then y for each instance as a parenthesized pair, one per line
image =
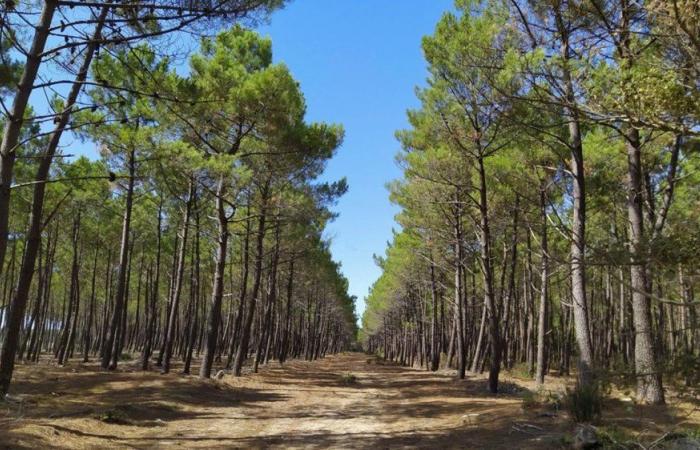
(348, 378)
(521, 371)
(114, 416)
(614, 437)
(584, 402)
(542, 398)
(530, 400)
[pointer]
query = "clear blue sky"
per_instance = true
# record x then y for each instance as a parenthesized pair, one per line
(358, 62)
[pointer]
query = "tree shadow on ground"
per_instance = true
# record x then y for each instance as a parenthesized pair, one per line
(61, 405)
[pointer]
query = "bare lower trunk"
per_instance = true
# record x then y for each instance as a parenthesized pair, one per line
(110, 357)
(179, 274)
(487, 272)
(434, 344)
(649, 387)
(242, 352)
(544, 274)
(214, 316)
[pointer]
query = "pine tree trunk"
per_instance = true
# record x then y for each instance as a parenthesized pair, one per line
(544, 275)
(649, 387)
(179, 275)
(214, 316)
(110, 356)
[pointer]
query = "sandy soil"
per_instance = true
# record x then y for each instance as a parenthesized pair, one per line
(298, 405)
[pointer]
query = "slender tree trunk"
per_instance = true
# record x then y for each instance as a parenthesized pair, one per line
(110, 357)
(544, 282)
(434, 338)
(214, 317)
(459, 304)
(242, 352)
(578, 225)
(244, 290)
(153, 295)
(195, 290)
(287, 317)
(487, 272)
(179, 275)
(74, 297)
(87, 330)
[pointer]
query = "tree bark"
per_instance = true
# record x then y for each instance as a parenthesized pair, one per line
(487, 273)
(214, 316)
(544, 275)
(110, 357)
(649, 387)
(179, 274)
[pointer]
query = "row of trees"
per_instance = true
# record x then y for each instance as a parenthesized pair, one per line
(199, 230)
(549, 198)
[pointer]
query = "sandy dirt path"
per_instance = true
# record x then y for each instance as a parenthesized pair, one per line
(298, 405)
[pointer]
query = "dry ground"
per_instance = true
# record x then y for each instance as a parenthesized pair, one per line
(300, 404)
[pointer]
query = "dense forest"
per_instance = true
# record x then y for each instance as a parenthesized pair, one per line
(198, 231)
(549, 200)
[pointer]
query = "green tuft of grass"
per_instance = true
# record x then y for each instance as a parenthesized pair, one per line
(614, 437)
(348, 378)
(542, 399)
(113, 416)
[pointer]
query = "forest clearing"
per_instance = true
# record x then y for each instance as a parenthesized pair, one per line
(304, 405)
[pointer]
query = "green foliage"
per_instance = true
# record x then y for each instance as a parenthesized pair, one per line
(584, 402)
(614, 437)
(114, 416)
(348, 379)
(542, 398)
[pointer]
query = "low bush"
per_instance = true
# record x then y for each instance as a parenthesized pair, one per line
(348, 378)
(584, 402)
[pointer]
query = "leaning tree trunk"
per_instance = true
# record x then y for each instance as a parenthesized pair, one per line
(7, 156)
(10, 140)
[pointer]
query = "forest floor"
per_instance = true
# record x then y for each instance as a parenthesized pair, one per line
(298, 405)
